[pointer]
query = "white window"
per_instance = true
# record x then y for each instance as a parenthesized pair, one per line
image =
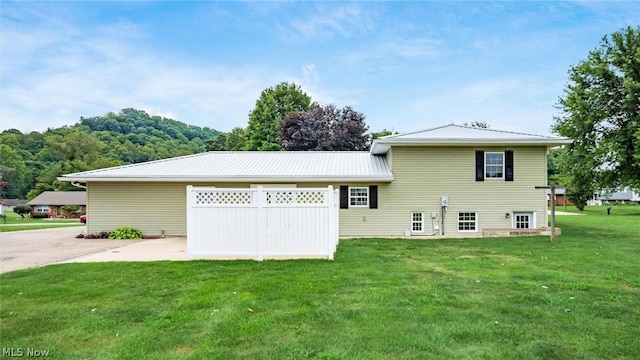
(417, 222)
(523, 220)
(494, 165)
(467, 221)
(359, 196)
(42, 209)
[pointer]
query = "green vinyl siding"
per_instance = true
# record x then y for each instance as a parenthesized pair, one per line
(422, 175)
(152, 207)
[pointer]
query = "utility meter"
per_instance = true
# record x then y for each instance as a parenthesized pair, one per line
(444, 201)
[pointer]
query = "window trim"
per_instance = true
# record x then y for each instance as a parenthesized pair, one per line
(420, 222)
(532, 219)
(486, 165)
(39, 209)
(352, 197)
(475, 221)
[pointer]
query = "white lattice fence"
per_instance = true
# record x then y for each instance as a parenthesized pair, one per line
(258, 223)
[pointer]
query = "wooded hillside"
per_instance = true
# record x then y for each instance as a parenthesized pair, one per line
(30, 163)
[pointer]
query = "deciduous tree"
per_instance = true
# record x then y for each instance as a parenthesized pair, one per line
(273, 105)
(325, 129)
(600, 111)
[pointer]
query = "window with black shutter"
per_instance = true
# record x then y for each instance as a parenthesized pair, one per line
(479, 165)
(508, 165)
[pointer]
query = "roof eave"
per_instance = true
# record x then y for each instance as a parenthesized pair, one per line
(302, 179)
(381, 146)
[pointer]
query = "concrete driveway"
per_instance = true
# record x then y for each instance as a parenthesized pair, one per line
(29, 248)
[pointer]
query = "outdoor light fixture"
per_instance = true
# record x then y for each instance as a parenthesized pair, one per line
(507, 215)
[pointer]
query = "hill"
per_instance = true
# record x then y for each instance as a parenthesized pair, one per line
(30, 163)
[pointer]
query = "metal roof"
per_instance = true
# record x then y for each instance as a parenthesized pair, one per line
(627, 195)
(294, 166)
(60, 198)
(458, 135)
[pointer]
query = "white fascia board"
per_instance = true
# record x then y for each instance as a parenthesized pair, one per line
(229, 179)
(382, 146)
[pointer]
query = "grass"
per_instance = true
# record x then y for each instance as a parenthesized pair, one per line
(503, 298)
(16, 223)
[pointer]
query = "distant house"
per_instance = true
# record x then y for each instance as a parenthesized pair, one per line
(8, 204)
(561, 198)
(625, 196)
(51, 202)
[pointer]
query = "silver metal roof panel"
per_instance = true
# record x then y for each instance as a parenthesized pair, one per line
(299, 166)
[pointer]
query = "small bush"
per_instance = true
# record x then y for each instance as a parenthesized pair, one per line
(68, 209)
(40, 216)
(22, 210)
(98, 235)
(126, 233)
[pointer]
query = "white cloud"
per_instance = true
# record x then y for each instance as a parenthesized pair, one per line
(331, 19)
(107, 71)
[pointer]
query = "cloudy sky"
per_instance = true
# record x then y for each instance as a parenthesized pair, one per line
(406, 65)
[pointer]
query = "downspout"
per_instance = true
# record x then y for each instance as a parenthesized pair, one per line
(78, 184)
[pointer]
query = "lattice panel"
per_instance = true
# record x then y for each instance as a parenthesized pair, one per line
(311, 197)
(223, 197)
(281, 197)
(295, 197)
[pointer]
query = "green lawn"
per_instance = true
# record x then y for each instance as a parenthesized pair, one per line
(506, 298)
(16, 223)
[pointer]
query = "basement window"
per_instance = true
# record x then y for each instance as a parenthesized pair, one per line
(467, 221)
(417, 222)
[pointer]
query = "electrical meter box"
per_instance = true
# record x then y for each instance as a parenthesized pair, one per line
(444, 201)
(434, 214)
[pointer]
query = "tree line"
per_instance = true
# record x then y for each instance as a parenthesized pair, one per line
(286, 118)
(30, 163)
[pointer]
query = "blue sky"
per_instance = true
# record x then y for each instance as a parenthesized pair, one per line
(406, 65)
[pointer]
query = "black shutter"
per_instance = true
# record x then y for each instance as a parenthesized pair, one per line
(508, 165)
(479, 165)
(344, 197)
(373, 196)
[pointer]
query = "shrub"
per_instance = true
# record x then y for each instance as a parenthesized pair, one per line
(40, 216)
(22, 210)
(69, 209)
(126, 233)
(98, 235)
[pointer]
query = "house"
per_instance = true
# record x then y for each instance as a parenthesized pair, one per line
(626, 196)
(51, 202)
(560, 197)
(8, 204)
(451, 180)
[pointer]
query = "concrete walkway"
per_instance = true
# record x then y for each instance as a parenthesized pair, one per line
(563, 213)
(32, 248)
(173, 248)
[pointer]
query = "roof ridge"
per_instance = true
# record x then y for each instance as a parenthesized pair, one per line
(503, 131)
(464, 127)
(415, 132)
